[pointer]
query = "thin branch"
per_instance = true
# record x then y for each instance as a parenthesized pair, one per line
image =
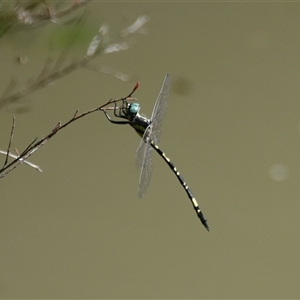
(63, 12)
(27, 16)
(42, 83)
(22, 160)
(57, 73)
(36, 144)
(10, 140)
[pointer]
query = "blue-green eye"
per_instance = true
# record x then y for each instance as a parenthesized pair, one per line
(134, 108)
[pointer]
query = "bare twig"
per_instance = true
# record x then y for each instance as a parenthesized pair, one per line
(49, 75)
(51, 14)
(22, 160)
(10, 140)
(26, 13)
(36, 144)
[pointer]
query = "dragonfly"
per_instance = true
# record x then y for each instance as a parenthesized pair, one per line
(150, 131)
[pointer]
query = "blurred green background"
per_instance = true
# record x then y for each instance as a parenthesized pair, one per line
(78, 230)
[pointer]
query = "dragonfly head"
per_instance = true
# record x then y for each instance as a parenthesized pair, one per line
(134, 108)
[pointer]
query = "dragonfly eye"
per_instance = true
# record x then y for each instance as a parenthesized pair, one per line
(134, 108)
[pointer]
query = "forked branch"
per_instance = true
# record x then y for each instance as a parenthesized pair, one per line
(37, 143)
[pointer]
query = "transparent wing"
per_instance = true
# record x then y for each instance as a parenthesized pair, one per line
(144, 162)
(152, 132)
(160, 109)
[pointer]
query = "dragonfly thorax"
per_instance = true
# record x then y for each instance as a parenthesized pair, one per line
(135, 119)
(138, 122)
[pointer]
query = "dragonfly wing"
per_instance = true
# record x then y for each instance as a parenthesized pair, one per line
(144, 162)
(152, 132)
(160, 109)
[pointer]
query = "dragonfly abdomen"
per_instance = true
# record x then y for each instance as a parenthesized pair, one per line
(183, 183)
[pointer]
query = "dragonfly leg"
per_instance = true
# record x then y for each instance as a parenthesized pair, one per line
(113, 121)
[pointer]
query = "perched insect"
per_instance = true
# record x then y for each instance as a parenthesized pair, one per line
(149, 130)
